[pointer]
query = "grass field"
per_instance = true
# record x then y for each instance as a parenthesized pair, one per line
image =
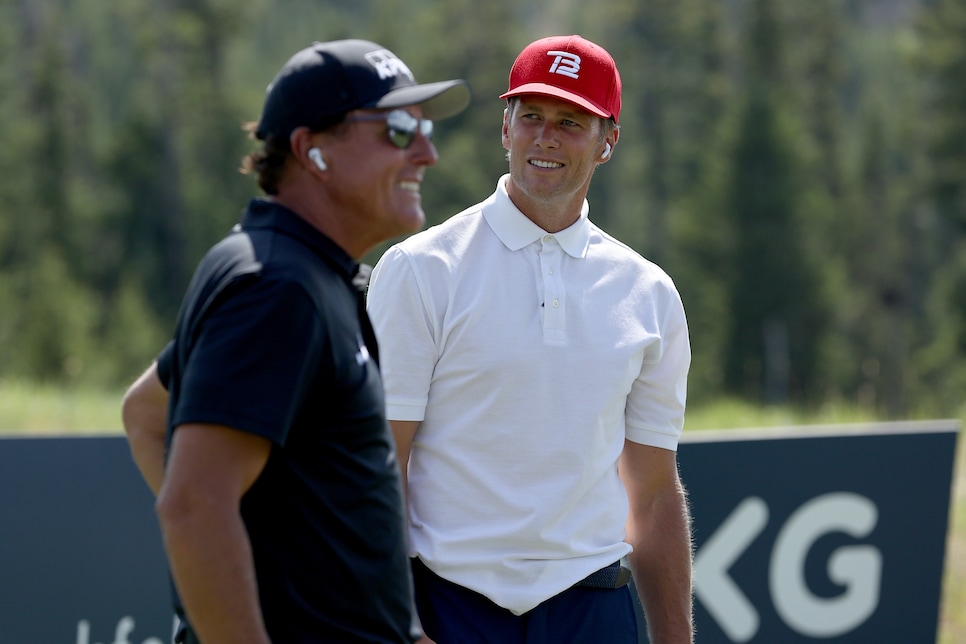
(38, 409)
(28, 410)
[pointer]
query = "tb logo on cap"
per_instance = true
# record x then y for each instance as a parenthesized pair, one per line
(565, 63)
(387, 65)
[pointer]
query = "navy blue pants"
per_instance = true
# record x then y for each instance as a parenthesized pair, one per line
(451, 614)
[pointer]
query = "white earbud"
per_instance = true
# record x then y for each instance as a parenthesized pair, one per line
(316, 155)
(606, 152)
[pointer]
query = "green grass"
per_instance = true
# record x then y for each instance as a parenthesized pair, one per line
(32, 409)
(732, 414)
(952, 627)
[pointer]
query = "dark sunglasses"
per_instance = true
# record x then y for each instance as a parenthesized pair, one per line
(402, 126)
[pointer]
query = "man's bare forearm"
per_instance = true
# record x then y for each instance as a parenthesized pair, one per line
(144, 413)
(661, 564)
(211, 563)
(209, 470)
(659, 530)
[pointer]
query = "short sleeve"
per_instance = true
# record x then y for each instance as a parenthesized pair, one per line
(399, 309)
(655, 407)
(164, 364)
(249, 365)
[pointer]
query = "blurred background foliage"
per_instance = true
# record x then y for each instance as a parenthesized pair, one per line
(799, 168)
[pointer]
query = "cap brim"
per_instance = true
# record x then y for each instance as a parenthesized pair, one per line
(439, 100)
(542, 89)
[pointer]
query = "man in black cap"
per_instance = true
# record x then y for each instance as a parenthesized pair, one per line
(261, 426)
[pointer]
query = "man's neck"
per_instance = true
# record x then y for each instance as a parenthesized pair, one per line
(551, 215)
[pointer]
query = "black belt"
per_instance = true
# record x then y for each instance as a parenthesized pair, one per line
(612, 576)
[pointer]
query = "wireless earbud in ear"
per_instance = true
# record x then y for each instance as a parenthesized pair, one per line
(316, 155)
(606, 152)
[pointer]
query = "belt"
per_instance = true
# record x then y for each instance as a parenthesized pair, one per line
(612, 576)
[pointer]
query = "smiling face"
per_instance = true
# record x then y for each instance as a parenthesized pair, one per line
(554, 148)
(373, 180)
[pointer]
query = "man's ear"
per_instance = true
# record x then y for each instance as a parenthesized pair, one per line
(300, 142)
(610, 142)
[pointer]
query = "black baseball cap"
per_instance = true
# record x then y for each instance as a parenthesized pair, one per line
(320, 83)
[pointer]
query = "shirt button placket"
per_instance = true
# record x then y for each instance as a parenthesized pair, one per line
(550, 258)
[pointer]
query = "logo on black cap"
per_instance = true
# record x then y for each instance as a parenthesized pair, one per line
(387, 65)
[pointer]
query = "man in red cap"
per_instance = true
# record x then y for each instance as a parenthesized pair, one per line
(535, 371)
(262, 426)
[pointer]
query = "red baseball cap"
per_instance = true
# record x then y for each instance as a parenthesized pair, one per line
(570, 68)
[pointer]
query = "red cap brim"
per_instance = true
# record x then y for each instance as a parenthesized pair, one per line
(543, 89)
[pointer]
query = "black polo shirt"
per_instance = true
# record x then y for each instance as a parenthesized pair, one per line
(271, 339)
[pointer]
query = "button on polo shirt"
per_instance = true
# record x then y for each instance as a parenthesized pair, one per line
(520, 234)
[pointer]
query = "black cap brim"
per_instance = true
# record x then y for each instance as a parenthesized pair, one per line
(439, 100)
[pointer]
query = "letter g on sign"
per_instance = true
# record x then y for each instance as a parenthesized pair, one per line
(857, 568)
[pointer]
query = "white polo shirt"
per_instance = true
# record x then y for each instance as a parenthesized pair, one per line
(529, 357)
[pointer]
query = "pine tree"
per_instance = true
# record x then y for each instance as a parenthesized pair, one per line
(942, 59)
(776, 301)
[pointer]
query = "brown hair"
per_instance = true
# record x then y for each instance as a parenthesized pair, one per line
(268, 162)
